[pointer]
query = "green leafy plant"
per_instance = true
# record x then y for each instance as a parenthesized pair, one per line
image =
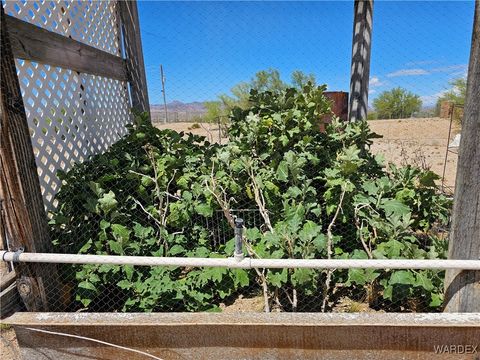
(319, 195)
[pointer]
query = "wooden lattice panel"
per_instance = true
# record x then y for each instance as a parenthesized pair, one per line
(94, 23)
(71, 115)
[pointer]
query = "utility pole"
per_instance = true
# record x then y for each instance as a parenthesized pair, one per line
(462, 288)
(164, 95)
(360, 69)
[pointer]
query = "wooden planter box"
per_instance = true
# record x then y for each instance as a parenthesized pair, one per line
(249, 335)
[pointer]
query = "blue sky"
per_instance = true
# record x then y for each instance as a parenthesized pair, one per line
(207, 47)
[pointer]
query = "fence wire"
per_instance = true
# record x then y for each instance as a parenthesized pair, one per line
(306, 185)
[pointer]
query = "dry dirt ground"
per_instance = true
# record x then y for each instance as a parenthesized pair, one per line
(8, 344)
(421, 142)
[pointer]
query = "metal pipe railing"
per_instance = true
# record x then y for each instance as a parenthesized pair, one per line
(237, 263)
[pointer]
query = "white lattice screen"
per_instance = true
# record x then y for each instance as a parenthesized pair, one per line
(71, 115)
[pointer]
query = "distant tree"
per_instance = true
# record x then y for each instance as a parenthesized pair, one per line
(397, 103)
(299, 79)
(264, 80)
(457, 94)
(372, 115)
(268, 80)
(215, 109)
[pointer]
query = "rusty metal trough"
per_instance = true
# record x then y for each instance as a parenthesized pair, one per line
(249, 335)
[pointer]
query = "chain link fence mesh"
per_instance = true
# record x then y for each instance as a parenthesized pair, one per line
(305, 186)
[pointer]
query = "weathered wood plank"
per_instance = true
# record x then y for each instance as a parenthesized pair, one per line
(33, 43)
(282, 335)
(133, 49)
(361, 50)
(7, 279)
(10, 301)
(23, 213)
(463, 287)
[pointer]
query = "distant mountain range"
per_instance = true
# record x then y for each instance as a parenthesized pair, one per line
(179, 106)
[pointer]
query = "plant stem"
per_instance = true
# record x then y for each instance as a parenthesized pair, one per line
(330, 250)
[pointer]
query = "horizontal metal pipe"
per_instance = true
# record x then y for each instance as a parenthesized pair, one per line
(245, 263)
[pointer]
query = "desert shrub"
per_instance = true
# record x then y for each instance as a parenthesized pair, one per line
(319, 194)
(397, 103)
(195, 125)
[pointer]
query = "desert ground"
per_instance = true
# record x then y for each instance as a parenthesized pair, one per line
(421, 142)
(8, 344)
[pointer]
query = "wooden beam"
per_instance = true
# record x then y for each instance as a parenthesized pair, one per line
(34, 43)
(463, 287)
(361, 49)
(133, 50)
(7, 280)
(10, 301)
(23, 214)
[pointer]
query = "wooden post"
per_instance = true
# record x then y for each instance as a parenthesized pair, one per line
(361, 49)
(463, 287)
(133, 51)
(23, 215)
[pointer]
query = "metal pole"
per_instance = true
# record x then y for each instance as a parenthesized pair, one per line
(446, 152)
(245, 263)
(238, 239)
(164, 95)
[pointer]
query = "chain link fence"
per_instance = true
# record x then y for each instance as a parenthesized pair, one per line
(306, 186)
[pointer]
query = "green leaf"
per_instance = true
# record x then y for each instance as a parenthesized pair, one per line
(404, 277)
(104, 224)
(309, 231)
(142, 232)
(394, 207)
(388, 292)
(436, 300)
(272, 187)
(87, 285)
(320, 242)
(428, 179)
(176, 249)
(84, 249)
(121, 233)
(356, 276)
(362, 276)
(370, 187)
(282, 171)
(115, 247)
(129, 271)
(359, 254)
(96, 188)
(277, 278)
(108, 202)
(405, 194)
(302, 276)
(240, 277)
(124, 284)
(392, 249)
(146, 181)
(422, 280)
(204, 209)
